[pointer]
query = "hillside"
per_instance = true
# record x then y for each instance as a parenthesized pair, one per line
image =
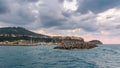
(19, 31)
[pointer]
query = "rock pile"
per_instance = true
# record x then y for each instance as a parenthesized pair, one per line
(75, 45)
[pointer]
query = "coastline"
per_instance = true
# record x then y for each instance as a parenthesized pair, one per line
(34, 44)
(18, 45)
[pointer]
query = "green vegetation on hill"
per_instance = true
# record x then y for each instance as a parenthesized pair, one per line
(18, 31)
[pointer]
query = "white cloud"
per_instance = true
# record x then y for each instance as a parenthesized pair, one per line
(108, 21)
(70, 5)
(110, 16)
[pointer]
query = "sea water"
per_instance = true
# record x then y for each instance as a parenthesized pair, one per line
(104, 56)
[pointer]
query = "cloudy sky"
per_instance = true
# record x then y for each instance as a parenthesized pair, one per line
(90, 19)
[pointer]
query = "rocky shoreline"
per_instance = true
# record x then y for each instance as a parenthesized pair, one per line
(18, 45)
(69, 43)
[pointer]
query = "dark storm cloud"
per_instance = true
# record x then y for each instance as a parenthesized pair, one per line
(50, 21)
(97, 6)
(50, 15)
(61, 1)
(26, 16)
(3, 7)
(66, 14)
(64, 21)
(118, 27)
(86, 26)
(33, 0)
(89, 28)
(67, 24)
(19, 13)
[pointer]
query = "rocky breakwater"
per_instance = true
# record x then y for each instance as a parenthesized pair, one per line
(75, 44)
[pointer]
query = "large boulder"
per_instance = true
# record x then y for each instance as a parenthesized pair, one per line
(96, 42)
(75, 45)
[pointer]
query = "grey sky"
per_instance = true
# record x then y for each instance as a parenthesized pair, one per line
(87, 18)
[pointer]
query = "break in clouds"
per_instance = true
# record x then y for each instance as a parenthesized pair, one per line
(86, 18)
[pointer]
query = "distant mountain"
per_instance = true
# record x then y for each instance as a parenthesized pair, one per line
(19, 31)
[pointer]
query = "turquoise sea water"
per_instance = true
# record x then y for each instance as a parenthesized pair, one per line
(104, 56)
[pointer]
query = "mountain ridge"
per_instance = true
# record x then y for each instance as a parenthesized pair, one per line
(19, 31)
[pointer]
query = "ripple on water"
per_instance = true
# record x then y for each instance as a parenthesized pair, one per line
(47, 57)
